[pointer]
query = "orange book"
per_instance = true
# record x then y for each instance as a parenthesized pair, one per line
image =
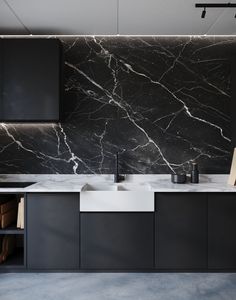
(6, 206)
(8, 218)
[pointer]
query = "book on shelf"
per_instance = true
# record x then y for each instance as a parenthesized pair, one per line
(232, 175)
(7, 246)
(8, 213)
(6, 206)
(20, 215)
(8, 218)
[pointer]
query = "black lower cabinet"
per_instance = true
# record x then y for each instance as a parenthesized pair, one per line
(187, 231)
(117, 240)
(181, 231)
(222, 231)
(52, 231)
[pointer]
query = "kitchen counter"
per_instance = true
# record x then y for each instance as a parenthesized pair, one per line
(98, 223)
(75, 183)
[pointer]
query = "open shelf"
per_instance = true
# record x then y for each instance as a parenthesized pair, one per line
(16, 240)
(10, 220)
(16, 260)
(12, 230)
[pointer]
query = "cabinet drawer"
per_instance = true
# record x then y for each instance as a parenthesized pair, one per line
(117, 241)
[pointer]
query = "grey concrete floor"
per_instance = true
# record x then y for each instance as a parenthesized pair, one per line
(100, 286)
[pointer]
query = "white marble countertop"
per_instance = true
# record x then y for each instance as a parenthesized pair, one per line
(75, 183)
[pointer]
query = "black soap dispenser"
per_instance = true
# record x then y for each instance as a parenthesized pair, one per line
(194, 173)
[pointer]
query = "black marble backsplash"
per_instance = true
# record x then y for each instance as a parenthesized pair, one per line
(161, 102)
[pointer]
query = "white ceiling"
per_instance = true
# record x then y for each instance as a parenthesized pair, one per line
(8, 22)
(166, 17)
(226, 24)
(75, 17)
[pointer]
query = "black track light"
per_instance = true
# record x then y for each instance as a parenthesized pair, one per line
(214, 5)
(203, 13)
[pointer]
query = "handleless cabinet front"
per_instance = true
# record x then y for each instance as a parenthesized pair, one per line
(222, 231)
(181, 231)
(117, 240)
(31, 79)
(52, 231)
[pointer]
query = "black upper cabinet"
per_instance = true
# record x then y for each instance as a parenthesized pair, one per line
(233, 102)
(1, 74)
(30, 72)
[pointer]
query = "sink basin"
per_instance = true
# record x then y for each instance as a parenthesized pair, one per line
(116, 197)
(15, 184)
(133, 187)
(99, 187)
(116, 187)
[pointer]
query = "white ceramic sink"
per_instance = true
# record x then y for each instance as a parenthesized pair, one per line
(133, 187)
(116, 197)
(115, 187)
(99, 187)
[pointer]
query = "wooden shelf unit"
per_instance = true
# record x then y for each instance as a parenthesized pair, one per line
(17, 259)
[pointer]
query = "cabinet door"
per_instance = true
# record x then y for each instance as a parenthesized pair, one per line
(117, 241)
(1, 72)
(181, 230)
(31, 80)
(222, 231)
(53, 231)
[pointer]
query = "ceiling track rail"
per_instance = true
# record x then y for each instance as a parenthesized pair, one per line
(215, 5)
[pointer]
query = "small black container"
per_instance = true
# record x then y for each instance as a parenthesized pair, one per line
(194, 173)
(178, 178)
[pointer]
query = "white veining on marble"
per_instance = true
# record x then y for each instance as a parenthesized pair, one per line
(161, 102)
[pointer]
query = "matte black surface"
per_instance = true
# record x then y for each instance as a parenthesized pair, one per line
(222, 231)
(1, 73)
(117, 241)
(161, 102)
(15, 184)
(233, 101)
(181, 230)
(31, 80)
(53, 231)
(215, 5)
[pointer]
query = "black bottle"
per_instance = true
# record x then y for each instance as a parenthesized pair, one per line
(194, 173)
